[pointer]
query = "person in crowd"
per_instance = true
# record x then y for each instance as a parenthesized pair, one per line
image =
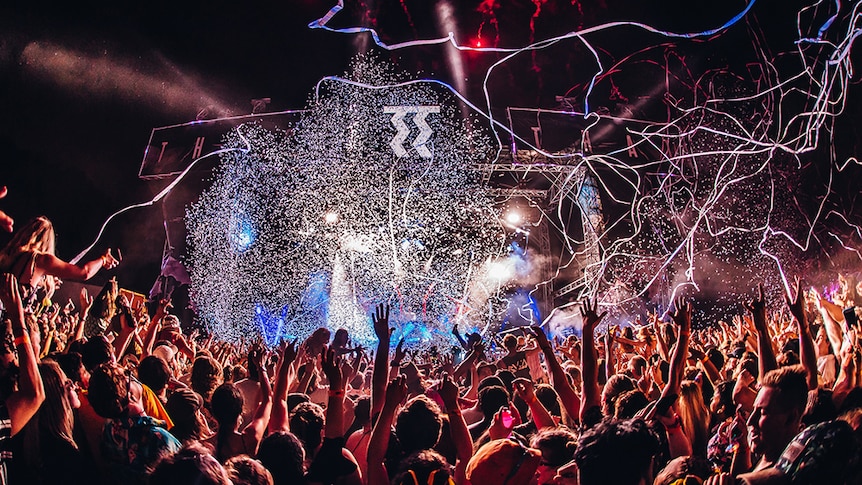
(773, 397)
(30, 257)
(21, 398)
(132, 442)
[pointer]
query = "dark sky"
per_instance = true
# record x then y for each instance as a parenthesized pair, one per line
(82, 84)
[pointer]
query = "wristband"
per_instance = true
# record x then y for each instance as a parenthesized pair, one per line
(336, 393)
(23, 339)
(675, 425)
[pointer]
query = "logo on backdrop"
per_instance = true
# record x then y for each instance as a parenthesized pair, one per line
(425, 131)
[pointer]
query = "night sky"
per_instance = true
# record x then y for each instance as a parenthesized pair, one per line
(83, 84)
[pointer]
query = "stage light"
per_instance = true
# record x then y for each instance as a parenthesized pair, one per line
(330, 217)
(514, 218)
(500, 271)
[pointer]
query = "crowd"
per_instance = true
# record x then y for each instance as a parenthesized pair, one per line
(100, 392)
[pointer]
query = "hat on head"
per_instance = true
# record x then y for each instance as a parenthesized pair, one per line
(165, 351)
(170, 321)
(183, 404)
(503, 461)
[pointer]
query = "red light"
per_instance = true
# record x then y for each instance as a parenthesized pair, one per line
(478, 43)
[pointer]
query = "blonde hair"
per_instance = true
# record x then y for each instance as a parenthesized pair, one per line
(37, 236)
(694, 415)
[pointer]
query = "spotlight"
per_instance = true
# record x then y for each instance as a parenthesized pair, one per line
(330, 217)
(514, 218)
(499, 271)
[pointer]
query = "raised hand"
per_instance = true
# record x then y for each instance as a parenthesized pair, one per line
(796, 304)
(541, 339)
(682, 315)
(331, 368)
(400, 353)
(108, 260)
(288, 351)
(524, 389)
(396, 392)
(589, 315)
(448, 392)
(757, 306)
(9, 293)
(380, 318)
(85, 300)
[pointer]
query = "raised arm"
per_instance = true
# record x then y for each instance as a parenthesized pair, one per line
(86, 302)
(682, 319)
(279, 420)
(23, 403)
(591, 394)
(807, 354)
(380, 373)
(155, 323)
(395, 393)
(55, 266)
(254, 432)
(448, 391)
(541, 417)
(765, 352)
(335, 405)
(568, 397)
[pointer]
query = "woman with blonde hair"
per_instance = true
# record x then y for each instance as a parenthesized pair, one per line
(29, 255)
(694, 415)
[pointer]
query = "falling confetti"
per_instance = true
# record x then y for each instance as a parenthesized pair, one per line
(374, 198)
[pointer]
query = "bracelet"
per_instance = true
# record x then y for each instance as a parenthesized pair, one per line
(23, 339)
(104, 260)
(336, 393)
(675, 425)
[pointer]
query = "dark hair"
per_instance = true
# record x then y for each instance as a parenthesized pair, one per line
(491, 399)
(601, 449)
(557, 445)
(192, 464)
(294, 399)
(226, 404)
(820, 408)
(95, 352)
(716, 357)
(108, 391)
(70, 363)
(283, 455)
(490, 381)
(226, 407)
(549, 398)
(510, 342)
(245, 470)
(418, 424)
(182, 406)
(154, 373)
(205, 374)
(629, 403)
(306, 422)
(422, 463)
(615, 386)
